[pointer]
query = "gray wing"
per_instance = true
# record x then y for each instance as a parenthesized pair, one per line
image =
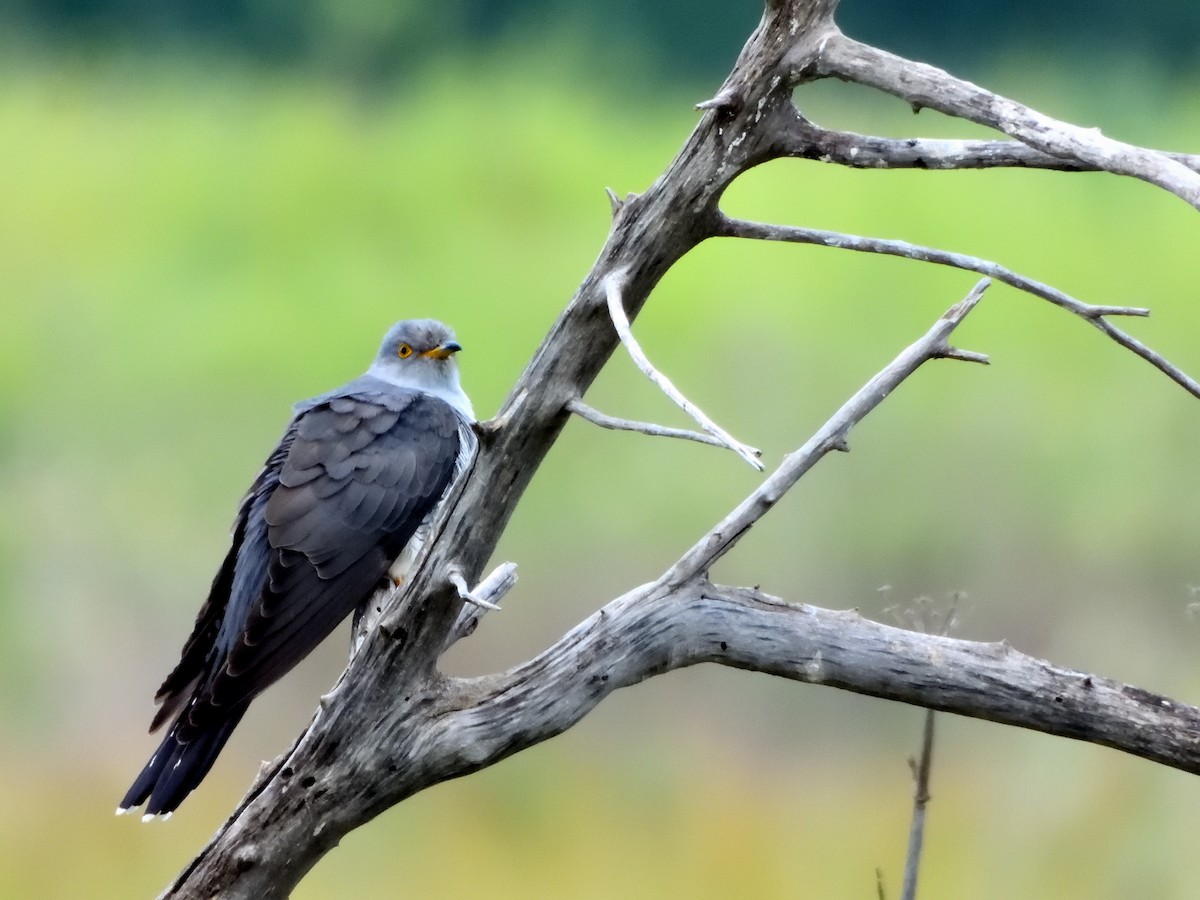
(348, 486)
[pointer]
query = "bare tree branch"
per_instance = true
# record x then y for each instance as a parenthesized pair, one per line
(808, 140)
(660, 629)
(612, 423)
(394, 725)
(761, 231)
(921, 615)
(613, 285)
(921, 768)
(923, 85)
(486, 596)
(1095, 315)
(833, 435)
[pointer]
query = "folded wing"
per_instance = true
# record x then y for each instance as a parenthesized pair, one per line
(352, 479)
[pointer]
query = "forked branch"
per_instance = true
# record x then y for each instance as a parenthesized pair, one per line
(663, 630)
(833, 435)
(394, 725)
(1093, 314)
(614, 286)
(923, 85)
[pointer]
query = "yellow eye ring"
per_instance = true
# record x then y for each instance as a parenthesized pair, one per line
(404, 351)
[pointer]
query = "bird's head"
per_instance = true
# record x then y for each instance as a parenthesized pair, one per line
(419, 353)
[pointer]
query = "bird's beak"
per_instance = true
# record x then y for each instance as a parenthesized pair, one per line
(444, 351)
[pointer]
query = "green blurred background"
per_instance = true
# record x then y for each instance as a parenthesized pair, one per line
(207, 213)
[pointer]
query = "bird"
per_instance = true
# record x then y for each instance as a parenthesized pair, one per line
(339, 508)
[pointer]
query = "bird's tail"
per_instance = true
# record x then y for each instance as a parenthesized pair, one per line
(177, 767)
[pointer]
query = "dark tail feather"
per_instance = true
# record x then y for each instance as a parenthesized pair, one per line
(177, 768)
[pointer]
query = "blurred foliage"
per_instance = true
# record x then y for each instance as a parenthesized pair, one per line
(188, 246)
(377, 40)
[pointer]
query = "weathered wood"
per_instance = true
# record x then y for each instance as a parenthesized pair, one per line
(862, 151)
(660, 630)
(393, 725)
(926, 86)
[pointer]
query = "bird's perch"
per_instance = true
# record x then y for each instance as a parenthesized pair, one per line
(394, 725)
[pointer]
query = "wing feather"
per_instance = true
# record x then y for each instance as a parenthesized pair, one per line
(358, 476)
(355, 476)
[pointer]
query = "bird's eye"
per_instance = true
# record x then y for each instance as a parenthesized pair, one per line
(404, 351)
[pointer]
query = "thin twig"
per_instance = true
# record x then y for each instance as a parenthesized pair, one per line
(1095, 315)
(590, 414)
(830, 436)
(762, 231)
(613, 287)
(923, 615)
(916, 831)
(491, 590)
(456, 578)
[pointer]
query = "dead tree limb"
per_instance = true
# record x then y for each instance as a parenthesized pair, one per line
(860, 151)
(921, 85)
(394, 725)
